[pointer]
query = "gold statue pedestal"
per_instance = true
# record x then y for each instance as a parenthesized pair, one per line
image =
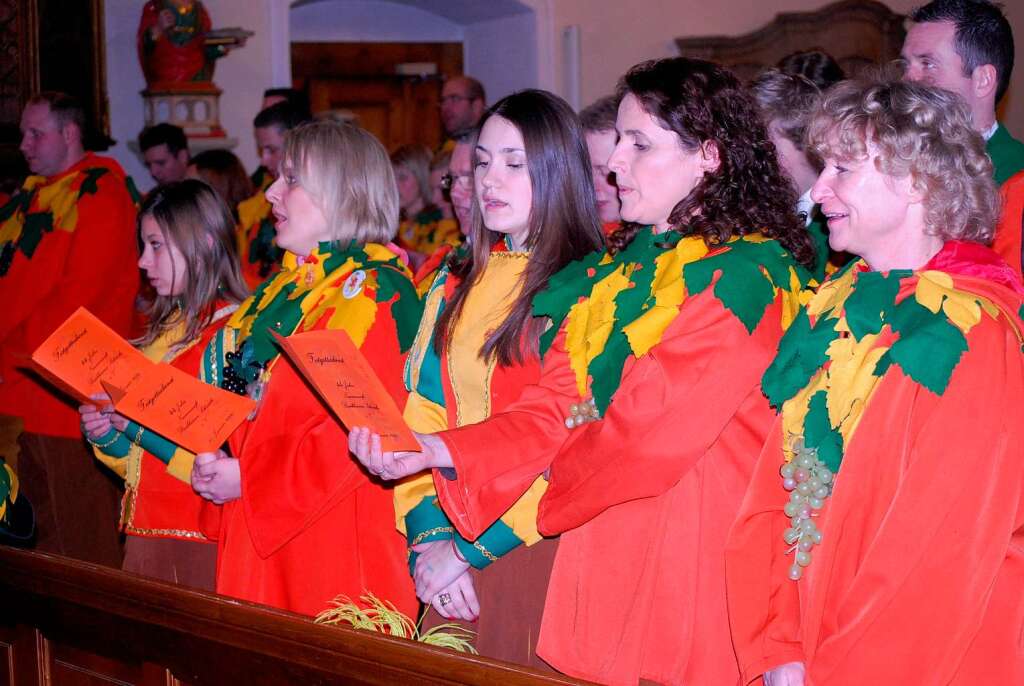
(195, 107)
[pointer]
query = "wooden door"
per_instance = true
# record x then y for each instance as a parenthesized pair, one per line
(360, 80)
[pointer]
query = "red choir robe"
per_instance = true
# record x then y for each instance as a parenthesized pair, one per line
(311, 524)
(919, 575)
(86, 255)
(643, 498)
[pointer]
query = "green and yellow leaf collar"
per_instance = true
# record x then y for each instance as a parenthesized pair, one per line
(614, 306)
(837, 350)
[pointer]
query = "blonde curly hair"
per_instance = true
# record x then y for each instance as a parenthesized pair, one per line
(920, 131)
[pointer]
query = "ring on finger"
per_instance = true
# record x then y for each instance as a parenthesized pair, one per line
(445, 599)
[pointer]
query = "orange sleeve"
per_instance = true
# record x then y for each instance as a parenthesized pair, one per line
(672, 406)
(496, 461)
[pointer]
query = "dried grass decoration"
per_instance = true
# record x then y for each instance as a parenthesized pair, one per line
(384, 618)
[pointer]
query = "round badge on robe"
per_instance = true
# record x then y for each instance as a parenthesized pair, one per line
(354, 284)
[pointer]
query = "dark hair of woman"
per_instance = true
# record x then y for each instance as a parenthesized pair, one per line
(563, 223)
(702, 102)
(225, 174)
(193, 217)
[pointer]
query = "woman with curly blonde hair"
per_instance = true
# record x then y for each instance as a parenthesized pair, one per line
(881, 539)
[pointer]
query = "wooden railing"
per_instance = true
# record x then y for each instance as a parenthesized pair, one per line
(66, 623)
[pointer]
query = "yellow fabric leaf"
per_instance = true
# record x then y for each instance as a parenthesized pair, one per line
(851, 380)
(14, 483)
(795, 410)
(935, 289)
(356, 317)
(60, 200)
(668, 289)
(832, 293)
(10, 230)
(590, 324)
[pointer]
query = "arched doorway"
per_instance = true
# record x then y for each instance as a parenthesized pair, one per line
(507, 44)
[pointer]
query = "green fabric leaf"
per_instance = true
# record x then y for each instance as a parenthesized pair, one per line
(929, 347)
(407, 309)
(21, 201)
(90, 184)
(5, 482)
(819, 434)
(873, 297)
(133, 191)
(36, 224)
(743, 288)
(802, 351)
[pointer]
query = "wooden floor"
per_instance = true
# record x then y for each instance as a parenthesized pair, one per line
(71, 623)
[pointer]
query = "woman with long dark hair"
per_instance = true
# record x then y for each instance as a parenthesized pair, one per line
(478, 347)
(186, 233)
(649, 413)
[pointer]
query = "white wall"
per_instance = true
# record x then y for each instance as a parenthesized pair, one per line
(502, 54)
(370, 21)
(242, 75)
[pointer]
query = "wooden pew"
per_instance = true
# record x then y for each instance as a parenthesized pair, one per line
(67, 623)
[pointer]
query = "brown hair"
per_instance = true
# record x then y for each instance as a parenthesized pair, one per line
(348, 174)
(194, 218)
(563, 223)
(226, 175)
(787, 101)
(600, 115)
(704, 103)
(920, 131)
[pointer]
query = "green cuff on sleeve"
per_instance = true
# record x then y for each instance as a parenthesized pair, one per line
(151, 442)
(498, 540)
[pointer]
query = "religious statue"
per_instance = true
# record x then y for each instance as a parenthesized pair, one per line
(176, 44)
(177, 49)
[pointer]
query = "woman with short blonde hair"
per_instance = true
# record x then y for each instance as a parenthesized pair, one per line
(880, 540)
(347, 171)
(285, 504)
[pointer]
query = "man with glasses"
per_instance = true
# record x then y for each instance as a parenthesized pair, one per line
(458, 185)
(463, 102)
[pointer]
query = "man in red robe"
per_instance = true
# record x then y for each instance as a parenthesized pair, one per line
(67, 239)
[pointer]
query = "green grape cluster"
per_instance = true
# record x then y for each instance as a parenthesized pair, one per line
(809, 482)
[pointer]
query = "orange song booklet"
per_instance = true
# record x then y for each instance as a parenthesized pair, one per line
(84, 352)
(182, 409)
(330, 361)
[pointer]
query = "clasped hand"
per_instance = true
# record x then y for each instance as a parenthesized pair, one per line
(443, 580)
(365, 445)
(216, 477)
(98, 419)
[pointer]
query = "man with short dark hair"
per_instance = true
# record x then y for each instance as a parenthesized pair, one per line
(165, 152)
(257, 252)
(787, 102)
(966, 46)
(294, 97)
(67, 240)
(598, 120)
(463, 102)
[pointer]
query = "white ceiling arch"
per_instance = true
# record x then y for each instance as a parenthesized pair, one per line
(458, 11)
(463, 12)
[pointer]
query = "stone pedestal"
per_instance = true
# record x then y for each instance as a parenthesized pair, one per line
(195, 107)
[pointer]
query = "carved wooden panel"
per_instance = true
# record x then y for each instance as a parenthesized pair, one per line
(855, 32)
